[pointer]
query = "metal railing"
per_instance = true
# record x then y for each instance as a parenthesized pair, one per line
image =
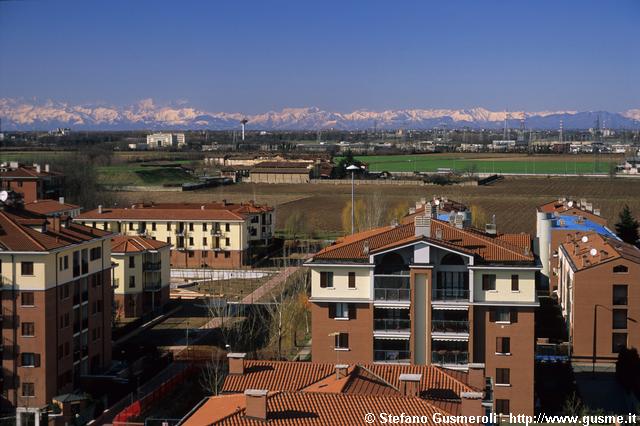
(391, 356)
(152, 285)
(450, 293)
(391, 324)
(449, 326)
(151, 266)
(450, 357)
(398, 294)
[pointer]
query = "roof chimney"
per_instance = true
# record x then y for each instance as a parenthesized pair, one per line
(459, 220)
(256, 403)
(423, 226)
(236, 363)
(61, 200)
(37, 168)
(472, 404)
(412, 210)
(99, 206)
(410, 384)
(475, 377)
(46, 168)
(342, 371)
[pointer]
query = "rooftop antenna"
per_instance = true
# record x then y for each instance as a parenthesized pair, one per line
(242, 123)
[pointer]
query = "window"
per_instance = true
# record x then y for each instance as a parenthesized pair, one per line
(488, 282)
(227, 255)
(26, 268)
(66, 263)
(130, 226)
(190, 241)
(620, 318)
(502, 376)
(28, 329)
(28, 389)
(204, 241)
(153, 226)
(60, 262)
(168, 240)
(205, 253)
(190, 253)
(352, 280)
(227, 227)
(503, 345)
(620, 269)
(502, 406)
(342, 341)
(326, 279)
(227, 241)
(618, 341)
(27, 299)
(204, 226)
(515, 282)
(503, 314)
(132, 262)
(95, 253)
(342, 310)
(190, 226)
(29, 359)
(168, 226)
(132, 281)
(620, 294)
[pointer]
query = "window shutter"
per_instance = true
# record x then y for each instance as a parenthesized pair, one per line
(352, 311)
(36, 358)
(492, 315)
(514, 316)
(332, 310)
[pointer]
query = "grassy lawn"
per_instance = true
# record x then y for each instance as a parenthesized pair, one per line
(561, 164)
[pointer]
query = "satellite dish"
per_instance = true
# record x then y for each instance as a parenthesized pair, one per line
(570, 204)
(585, 239)
(437, 202)
(593, 252)
(4, 196)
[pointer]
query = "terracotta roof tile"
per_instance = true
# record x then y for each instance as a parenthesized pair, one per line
(48, 207)
(605, 249)
(135, 244)
(277, 375)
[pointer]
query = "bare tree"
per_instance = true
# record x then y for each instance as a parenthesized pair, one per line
(213, 374)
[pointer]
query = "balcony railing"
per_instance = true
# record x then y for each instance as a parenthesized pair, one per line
(395, 288)
(151, 266)
(450, 293)
(216, 232)
(152, 285)
(450, 357)
(449, 326)
(391, 356)
(391, 324)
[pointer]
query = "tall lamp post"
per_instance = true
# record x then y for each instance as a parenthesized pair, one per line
(352, 168)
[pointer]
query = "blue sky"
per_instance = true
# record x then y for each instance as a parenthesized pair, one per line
(254, 56)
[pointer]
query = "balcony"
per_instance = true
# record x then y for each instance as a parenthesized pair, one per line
(450, 294)
(181, 232)
(152, 285)
(449, 326)
(216, 232)
(392, 324)
(445, 357)
(392, 288)
(392, 356)
(151, 266)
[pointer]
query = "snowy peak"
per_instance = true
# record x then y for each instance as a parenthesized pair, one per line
(146, 114)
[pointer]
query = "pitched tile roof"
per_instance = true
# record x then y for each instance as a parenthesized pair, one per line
(178, 211)
(22, 230)
(312, 408)
(605, 249)
(135, 244)
(486, 248)
(26, 172)
(49, 207)
(570, 207)
(277, 375)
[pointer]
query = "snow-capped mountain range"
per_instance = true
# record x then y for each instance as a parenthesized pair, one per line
(17, 114)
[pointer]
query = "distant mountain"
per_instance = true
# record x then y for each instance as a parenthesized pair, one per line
(146, 115)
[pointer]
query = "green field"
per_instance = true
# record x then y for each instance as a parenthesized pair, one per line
(562, 164)
(138, 175)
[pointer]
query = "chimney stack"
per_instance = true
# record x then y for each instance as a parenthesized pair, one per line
(342, 371)
(472, 404)
(410, 384)
(236, 363)
(423, 226)
(476, 376)
(256, 404)
(61, 200)
(99, 206)
(46, 168)
(459, 220)
(38, 168)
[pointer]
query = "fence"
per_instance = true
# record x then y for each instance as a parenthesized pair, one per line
(154, 390)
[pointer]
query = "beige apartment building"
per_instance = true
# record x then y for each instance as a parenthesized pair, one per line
(216, 235)
(142, 275)
(431, 291)
(56, 307)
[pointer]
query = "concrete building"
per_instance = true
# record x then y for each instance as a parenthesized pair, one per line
(599, 292)
(554, 222)
(217, 235)
(33, 182)
(431, 292)
(142, 275)
(281, 172)
(56, 307)
(166, 140)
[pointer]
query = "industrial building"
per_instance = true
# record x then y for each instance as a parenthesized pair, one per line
(166, 140)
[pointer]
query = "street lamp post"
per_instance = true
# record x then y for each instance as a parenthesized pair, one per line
(352, 168)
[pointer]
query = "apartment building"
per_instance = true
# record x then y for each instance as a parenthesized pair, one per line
(429, 291)
(216, 235)
(166, 140)
(141, 278)
(33, 182)
(53, 208)
(599, 292)
(56, 307)
(555, 221)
